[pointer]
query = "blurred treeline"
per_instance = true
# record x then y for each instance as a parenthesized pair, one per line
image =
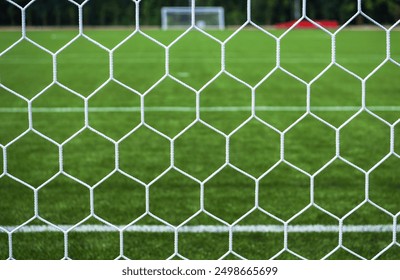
(122, 12)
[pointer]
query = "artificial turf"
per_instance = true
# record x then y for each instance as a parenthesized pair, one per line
(118, 164)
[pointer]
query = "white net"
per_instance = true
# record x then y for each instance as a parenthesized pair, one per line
(212, 219)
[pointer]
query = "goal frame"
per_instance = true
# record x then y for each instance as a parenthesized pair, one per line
(188, 10)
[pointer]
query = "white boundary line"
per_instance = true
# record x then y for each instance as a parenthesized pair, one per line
(210, 228)
(193, 109)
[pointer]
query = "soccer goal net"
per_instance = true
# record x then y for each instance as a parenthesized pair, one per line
(181, 17)
(247, 143)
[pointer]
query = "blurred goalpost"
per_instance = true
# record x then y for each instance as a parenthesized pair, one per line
(181, 17)
(205, 17)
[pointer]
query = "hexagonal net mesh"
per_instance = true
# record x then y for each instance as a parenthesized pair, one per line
(246, 143)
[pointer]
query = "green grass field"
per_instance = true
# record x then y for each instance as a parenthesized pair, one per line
(219, 165)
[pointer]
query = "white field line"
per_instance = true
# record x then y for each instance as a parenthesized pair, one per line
(193, 109)
(210, 228)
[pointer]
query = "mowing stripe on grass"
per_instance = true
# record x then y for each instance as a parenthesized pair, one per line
(211, 229)
(193, 109)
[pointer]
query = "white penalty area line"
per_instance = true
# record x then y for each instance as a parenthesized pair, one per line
(193, 109)
(211, 228)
